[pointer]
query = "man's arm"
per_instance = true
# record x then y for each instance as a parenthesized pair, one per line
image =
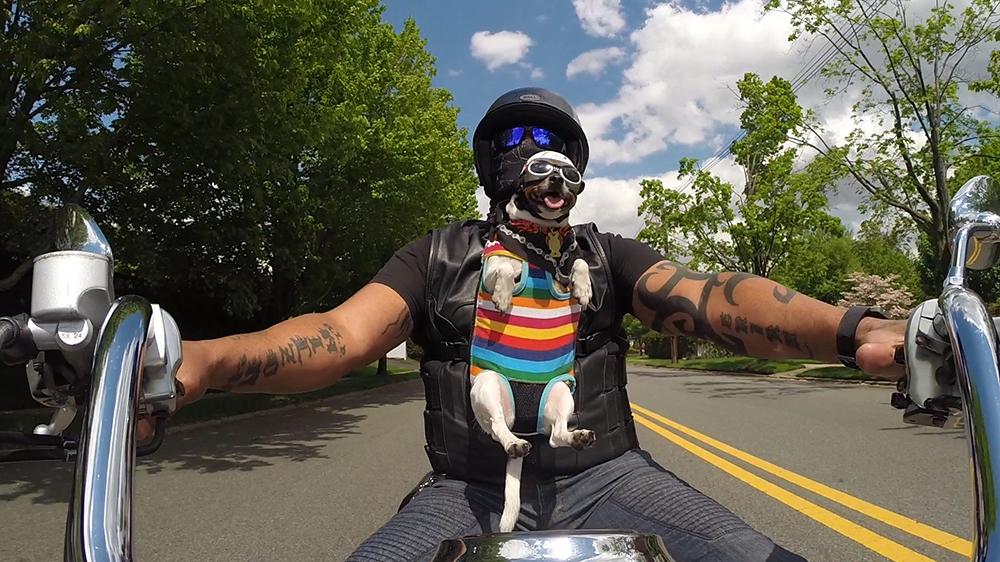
(750, 315)
(304, 353)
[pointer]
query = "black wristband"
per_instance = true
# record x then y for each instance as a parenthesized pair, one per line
(847, 347)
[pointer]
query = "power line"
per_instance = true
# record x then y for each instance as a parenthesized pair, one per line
(812, 67)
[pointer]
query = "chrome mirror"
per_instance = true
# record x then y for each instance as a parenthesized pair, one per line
(79, 232)
(975, 212)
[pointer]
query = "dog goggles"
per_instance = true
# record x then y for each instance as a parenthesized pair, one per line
(544, 138)
(540, 169)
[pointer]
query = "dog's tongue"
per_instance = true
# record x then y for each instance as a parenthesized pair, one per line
(554, 202)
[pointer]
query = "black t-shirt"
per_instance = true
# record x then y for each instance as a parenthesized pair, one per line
(406, 271)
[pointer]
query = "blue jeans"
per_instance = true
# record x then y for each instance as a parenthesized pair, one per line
(630, 492)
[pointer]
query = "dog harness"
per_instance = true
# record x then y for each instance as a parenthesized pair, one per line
(533, 346)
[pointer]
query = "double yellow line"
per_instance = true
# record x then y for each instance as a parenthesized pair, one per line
(878, 543)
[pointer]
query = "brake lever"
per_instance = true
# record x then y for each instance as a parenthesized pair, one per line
(159, 432)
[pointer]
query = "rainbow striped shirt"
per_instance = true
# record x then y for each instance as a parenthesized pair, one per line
(536, 341)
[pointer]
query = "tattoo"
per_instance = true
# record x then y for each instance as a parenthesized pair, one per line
(299, 348)
(247, 371)
(333, 339)
(731, 283)
(679, 313)
(727, 320)
(402, 325)
(271, 364)
(791, 340)
(773, 333)
(784, 294)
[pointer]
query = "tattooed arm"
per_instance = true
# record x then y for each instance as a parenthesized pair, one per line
(745, 314)
(304, 353)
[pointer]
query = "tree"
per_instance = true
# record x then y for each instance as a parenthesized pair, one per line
(752, 230)
(248, 160)
(875, 290)
(985, 161)
(908, 72)
(818, 263)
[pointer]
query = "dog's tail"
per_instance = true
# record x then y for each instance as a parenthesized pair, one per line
(512, 495)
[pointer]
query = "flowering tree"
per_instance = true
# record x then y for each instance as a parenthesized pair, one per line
(876, 290)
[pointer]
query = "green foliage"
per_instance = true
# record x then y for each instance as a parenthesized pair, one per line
(910, 126)
(261, 157)
(818, 265)
(820, 262)
(731, 364)
(657, 345)
(752, 230)
(985, 160)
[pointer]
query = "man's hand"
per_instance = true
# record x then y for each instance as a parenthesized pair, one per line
(192, 381)
(877, 342)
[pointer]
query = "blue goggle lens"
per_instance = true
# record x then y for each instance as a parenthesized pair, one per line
(543, 138)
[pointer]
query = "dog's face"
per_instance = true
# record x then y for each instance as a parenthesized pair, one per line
(549, 185)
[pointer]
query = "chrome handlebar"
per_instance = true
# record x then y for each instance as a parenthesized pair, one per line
(974, 344)
(100, 510)
(123, 370)
(951, 350)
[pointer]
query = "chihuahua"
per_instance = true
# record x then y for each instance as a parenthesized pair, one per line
(533, 287)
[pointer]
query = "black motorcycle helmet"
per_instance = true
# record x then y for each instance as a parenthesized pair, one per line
(525, 106)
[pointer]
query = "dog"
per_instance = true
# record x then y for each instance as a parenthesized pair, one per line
(527, 310)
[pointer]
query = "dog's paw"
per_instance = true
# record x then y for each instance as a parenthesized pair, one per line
(580, 277)
(502, 299)
(519, 448)
(583, 294)
(582, 438)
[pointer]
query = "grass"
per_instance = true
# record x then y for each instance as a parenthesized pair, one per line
(840, 373)
(737, 364)
(221, 405)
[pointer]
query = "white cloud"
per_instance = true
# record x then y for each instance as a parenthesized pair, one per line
(679, 87)
(537, 73)
(600, 18)
(594, 61)
(454, 72)
(501, 48)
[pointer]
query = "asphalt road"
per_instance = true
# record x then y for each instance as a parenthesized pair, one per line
(311, 483)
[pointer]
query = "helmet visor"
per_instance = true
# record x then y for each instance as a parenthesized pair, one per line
(544, 138)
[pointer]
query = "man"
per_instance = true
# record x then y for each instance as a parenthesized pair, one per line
(427, 291)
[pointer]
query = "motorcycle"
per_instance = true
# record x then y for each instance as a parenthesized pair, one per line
(116, 359)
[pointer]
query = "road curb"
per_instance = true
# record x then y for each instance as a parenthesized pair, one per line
(200, 424)
(785, 376)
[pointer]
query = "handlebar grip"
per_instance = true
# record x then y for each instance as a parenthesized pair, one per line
(9, 330)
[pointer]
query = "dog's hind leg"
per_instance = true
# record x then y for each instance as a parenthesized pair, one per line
(494, 409)
(558, 409)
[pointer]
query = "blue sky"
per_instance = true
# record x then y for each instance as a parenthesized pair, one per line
(557, 38)
(486, 48)
(652, 81)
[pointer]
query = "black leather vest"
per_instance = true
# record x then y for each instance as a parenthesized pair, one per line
(456, 445)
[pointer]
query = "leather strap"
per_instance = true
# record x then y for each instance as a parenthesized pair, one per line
(847, 347)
